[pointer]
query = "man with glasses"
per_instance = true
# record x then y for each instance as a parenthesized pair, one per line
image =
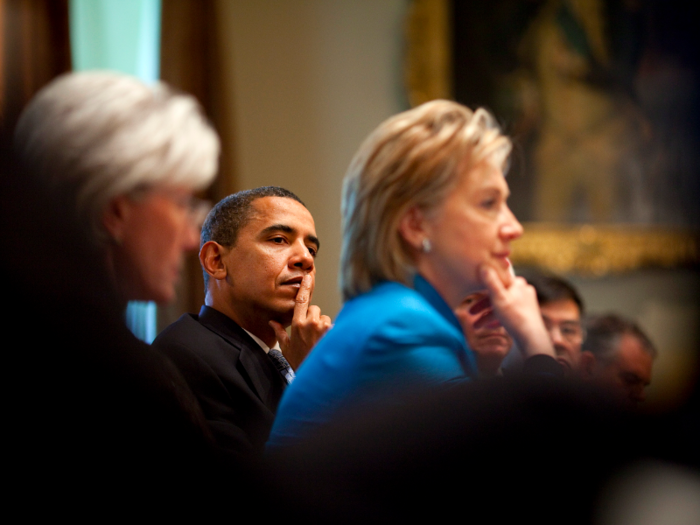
(562, 309)
(618, 355)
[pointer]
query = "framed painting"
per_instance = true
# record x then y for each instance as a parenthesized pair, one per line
(601, 99)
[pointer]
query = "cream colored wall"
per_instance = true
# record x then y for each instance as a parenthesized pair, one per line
(310, 79)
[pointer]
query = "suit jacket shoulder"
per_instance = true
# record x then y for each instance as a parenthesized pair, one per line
(236, 384)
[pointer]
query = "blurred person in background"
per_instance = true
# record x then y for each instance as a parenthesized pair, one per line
(618, 355)
(487, 339)
(562, 311)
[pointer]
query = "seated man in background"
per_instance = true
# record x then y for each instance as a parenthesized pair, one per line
(258, 251)
(562, 309)
(618, 355)
(488, 340)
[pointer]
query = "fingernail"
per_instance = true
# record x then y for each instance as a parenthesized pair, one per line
(511, 270)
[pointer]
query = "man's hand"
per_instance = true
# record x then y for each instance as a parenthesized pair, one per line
(308, 326)
(515, 305)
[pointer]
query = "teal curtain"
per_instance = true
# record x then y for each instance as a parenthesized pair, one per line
(121, 35)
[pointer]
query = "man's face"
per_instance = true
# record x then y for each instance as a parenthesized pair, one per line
(272, 253)
(489, 342)
(630, 372)
(563, 321)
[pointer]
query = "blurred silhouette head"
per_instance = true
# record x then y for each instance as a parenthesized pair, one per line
(618, 354)
(489, 341)
(562, 309)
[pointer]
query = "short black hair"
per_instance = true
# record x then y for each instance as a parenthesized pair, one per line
(550, 288)
(232, 213)
(604, 333)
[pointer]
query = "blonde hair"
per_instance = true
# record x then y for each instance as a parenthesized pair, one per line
(413, 159)
(95, 135)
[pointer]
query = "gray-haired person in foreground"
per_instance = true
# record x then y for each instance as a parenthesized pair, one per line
(125, 159)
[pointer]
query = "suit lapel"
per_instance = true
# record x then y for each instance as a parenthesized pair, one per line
(261, 373)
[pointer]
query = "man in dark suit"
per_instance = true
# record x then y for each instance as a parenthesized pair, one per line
(257, 252)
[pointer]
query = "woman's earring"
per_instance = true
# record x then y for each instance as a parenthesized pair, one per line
(426, 245)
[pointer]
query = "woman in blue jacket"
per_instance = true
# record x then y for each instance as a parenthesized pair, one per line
(425, 223)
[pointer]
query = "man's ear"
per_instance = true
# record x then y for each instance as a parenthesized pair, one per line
(412, 228)
(588, 365)
(116, 217)
(211, 259)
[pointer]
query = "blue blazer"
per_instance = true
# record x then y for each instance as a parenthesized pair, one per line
(384, 343)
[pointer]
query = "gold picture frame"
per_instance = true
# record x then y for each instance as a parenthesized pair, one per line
(565, 248)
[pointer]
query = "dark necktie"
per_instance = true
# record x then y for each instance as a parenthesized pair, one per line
(281, 364)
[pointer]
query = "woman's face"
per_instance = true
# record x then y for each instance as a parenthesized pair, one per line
(153, 233)
(472, 227)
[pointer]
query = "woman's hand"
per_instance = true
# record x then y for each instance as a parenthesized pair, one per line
(515, 305)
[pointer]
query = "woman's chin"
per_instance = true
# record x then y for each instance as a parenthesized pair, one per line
(504, 270)
(161, 295)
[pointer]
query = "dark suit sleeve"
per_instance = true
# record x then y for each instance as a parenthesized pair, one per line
(239, 422)
(212, 396)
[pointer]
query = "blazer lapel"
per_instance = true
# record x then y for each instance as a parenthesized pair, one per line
(261, 373)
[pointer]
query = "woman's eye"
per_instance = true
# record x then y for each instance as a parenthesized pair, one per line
(488, 204)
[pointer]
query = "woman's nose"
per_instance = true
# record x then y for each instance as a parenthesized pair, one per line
(511, 229)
